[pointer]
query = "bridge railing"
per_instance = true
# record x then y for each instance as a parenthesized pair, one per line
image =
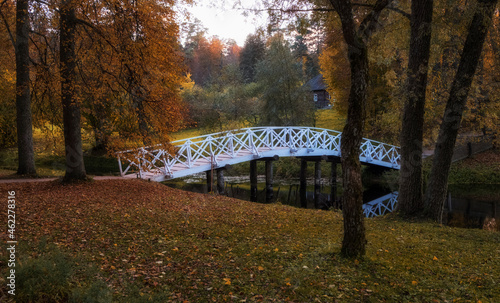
(381, 206)
(215, 148)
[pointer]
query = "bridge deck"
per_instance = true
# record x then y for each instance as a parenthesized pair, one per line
(199, 154)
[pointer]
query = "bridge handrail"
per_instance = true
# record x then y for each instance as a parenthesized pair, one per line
(229, 143)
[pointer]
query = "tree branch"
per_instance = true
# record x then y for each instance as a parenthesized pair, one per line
(369, 24)
(294, 10)
(392, 8)
(8, 27)
(96, 30)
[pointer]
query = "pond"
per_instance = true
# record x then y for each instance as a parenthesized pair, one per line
(472, 206)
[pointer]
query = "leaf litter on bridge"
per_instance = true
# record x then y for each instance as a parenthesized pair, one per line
(203, 248)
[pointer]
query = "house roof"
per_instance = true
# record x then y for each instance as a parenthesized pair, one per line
(317, 83)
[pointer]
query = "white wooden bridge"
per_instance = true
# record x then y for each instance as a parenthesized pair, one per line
(203, 153)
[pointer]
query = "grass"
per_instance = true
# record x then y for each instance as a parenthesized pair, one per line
(483, 168)
(330, 119)
(53, 165)
(150, 241)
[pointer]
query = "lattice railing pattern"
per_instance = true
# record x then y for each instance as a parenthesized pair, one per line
(214, 150)
(381, 206)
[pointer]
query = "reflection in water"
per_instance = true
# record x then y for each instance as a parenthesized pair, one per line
(381, 206)
(459, 212)
(471, 213)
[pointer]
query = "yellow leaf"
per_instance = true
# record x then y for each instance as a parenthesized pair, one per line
(435, 258)
(414, 282)
(227, 281)
(261, 268)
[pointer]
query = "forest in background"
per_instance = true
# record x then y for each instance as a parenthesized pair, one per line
(216, 85)
(118, 70)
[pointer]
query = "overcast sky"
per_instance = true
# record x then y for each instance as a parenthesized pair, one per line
(225, 22)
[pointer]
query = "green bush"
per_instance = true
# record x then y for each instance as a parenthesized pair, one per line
(44, 279)
(54, 276)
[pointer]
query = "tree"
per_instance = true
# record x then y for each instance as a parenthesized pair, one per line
(205, 59)
(356, 36)
(410, 199)
(438, 180)
(7, 76)
(26, 153)
(300, 51)
(252, 53)
(75, 167)
(282, 84)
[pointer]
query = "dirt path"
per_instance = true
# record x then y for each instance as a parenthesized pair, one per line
(52, 179)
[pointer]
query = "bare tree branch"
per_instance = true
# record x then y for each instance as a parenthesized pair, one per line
(392, 8)
(326, 9)
(369, 24)
(4, 19)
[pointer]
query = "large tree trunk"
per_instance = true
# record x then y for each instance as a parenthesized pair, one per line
(26, 153)
(438, 180)
(75, 168)
(354, 242)
(410, 200)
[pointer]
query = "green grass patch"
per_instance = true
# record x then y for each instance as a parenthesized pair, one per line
(52, 165)
(330, 119)
(186, 133)
(478, 174)
(153, 243)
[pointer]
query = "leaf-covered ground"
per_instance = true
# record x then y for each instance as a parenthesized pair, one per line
(203, 248)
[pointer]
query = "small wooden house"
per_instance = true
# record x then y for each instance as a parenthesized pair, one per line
(319, 95)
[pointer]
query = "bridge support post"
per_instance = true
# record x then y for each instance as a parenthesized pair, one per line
(303, 183)
(317, 183)
(333, 185)
(269, 181)
(253, 180)
(220, 181)
(210, 182)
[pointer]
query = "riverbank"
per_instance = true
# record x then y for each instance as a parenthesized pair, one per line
(483, 168)
(135, 241)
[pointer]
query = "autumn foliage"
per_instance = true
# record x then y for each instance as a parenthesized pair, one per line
(146, 240)
(129, 69)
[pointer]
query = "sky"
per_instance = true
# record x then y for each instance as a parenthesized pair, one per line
(226, 23)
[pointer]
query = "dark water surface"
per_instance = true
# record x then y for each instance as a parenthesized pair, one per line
(471, 206)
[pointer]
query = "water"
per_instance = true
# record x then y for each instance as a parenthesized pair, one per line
(475, 206)
(285, 191)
